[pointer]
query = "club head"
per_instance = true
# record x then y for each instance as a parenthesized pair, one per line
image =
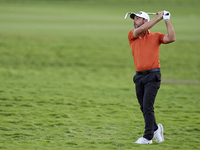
(126, 15)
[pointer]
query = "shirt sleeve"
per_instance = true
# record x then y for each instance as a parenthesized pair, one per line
(130, 36)
(161, 36)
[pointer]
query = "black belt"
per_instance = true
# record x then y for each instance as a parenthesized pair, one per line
(147, 71)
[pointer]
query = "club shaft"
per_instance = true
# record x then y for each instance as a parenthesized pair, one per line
(152, 13)
(131, 13)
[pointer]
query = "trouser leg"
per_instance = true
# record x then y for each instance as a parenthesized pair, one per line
(150, 93)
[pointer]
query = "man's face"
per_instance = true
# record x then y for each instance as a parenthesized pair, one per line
(138, 21)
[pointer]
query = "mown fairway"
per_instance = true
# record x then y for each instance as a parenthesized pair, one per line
(66, 73)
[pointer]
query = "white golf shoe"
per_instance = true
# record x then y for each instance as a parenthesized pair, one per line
(143, 141)
(158, 134)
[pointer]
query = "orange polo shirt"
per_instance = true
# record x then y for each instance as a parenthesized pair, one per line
(145, 50)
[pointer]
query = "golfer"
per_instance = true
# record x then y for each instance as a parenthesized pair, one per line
(145, 47)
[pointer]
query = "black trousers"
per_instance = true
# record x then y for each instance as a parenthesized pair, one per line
(146, 90)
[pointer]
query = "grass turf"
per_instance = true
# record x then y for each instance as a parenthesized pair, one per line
(66, 76)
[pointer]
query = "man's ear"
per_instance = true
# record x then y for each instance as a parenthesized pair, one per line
(145, 20)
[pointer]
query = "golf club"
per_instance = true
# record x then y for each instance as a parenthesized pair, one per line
(133, 13)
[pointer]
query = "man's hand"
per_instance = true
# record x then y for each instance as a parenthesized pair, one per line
(160, 15)
(166, 15)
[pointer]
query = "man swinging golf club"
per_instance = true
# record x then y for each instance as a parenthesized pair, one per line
(145, 47)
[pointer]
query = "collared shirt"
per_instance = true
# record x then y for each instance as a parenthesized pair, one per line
(145, 50)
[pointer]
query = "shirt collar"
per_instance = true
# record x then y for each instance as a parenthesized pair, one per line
(146, 33)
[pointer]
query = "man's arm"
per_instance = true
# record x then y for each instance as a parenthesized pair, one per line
(148, 25)
(170, 36)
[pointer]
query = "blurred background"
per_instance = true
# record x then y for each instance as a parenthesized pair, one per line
(100, 26)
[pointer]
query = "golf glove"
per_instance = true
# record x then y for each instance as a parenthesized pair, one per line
(166, 15)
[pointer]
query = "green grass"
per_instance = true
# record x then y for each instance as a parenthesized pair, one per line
(66, 73)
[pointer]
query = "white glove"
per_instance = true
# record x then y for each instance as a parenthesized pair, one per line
(166, 15)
